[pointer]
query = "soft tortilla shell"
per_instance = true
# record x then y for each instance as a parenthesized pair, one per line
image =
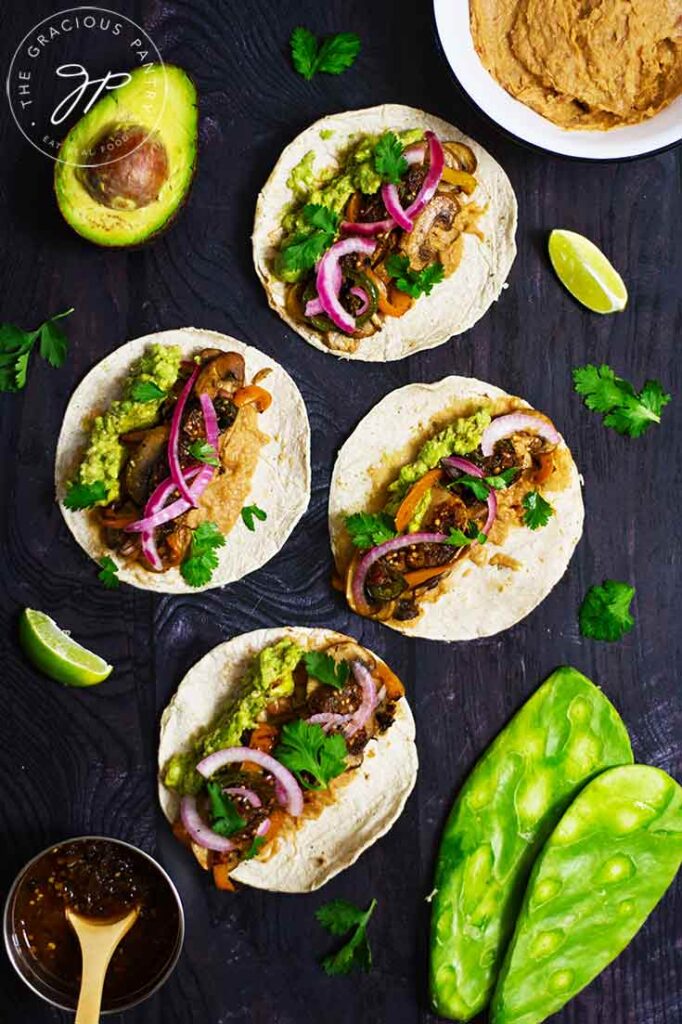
(472, 601)
(453, 306)
(367, 804)
(280, 485)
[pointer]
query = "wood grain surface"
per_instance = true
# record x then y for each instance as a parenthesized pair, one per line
(75, 762)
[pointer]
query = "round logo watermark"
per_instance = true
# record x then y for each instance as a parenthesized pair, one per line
(68, 62)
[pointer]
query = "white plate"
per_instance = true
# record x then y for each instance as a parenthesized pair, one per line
(452, 23)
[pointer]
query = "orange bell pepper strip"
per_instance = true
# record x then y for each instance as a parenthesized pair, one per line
(417, 576)
(221, 878)
(409, 504)
(263, 738)
(394, 688)
(252, 393)
(462, 179)
(392, 302)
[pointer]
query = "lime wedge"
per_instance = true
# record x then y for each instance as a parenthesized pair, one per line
(585, 271)
(54, 652)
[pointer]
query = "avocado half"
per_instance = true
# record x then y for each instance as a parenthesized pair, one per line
(125, 168)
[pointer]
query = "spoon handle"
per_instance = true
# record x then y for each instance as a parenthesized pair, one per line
(92, 983)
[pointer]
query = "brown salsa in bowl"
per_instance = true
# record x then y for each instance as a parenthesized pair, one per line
(100, 878)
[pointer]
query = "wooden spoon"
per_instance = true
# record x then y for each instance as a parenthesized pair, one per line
(98, 939)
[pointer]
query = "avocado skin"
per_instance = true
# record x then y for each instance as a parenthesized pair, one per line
(73, 199)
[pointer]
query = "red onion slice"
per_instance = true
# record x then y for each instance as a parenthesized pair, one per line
(328, 720)
(415, 153)
(232, 755)
(156, 502)
(263, 828)
(313, 308)
(363, 678)
(200, 832)
(389, 194)
(516, 423)
(362, 295)
(246, 794)
(329, 284)
(174, 437)
(433, 176)
(368, 227)
(457, 462)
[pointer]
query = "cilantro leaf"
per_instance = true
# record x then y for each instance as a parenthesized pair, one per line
(80, 496)
(332, 56)
(338, 52)
(248, 514)
(414, 282)
(16, 346)
(146, 391)
(340, 917)
(302, 251)
(304, 51)
(202, 451)
(257, 844)
(202, 560)
(367, 530)
(626, 411)
(307, 751)
(225, 818)
(500, 481)
(481, 486)
(460, 538)
(323, 667)
(605, 611)
(537, 511)
(108, 573)
(389, 161)
(321, 217)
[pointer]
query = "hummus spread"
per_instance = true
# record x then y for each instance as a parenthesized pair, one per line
(587, 64)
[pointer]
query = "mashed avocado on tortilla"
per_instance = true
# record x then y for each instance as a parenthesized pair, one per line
(105, 453)
(332, 188)
(269, 678)
(458, 438)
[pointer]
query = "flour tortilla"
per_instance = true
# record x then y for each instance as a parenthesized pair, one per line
(471, 601)
(365, 805)
(280, 485)
(454, 305)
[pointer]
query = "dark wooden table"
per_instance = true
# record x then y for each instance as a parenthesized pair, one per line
(75, 762)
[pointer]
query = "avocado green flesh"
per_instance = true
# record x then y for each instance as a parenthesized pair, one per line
(160, 98)
(105, 453)
(603, 870)
(567, 733)
(269, 678)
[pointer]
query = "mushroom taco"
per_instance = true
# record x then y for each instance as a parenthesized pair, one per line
(184, 459)
(454, 510)
(382, 232)
(284, 754)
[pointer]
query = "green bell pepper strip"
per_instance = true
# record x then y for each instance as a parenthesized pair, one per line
(603, 870)
(564, 735)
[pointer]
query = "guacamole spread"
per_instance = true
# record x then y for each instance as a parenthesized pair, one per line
(332, 188)
(459, 438)
(270, 677)
(103, 459)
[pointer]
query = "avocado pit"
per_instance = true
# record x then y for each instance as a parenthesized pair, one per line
(128, 170)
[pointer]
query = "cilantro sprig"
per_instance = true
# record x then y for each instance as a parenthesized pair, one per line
(225, 818)
(323, 667)
(389, 162)
(339, 918)
(108, 574)
(308, 752)
(304, 248)
(79, 496)
(537, 511)
(251, 512)
(367, 530)
(605, 611)
(462, 538)
(625, 410)
(414, 282)
(257, 844)
(331, 55)
(202, 451)
(146, 391)
(481, 486)
(202, 560)
(17, 344)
